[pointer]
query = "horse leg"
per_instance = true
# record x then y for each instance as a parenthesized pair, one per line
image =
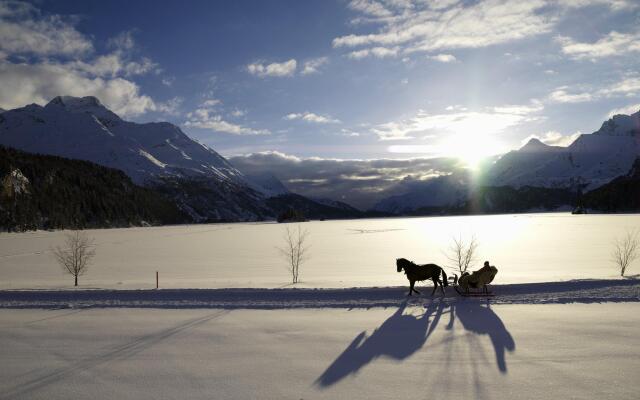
(435, 285)
(411, 283)
(412, 287)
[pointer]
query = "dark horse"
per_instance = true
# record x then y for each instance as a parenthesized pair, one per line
(423, 272)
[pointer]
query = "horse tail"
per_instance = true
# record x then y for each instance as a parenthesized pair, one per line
(445, 280)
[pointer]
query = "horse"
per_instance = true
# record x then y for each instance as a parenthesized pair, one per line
(423, 272)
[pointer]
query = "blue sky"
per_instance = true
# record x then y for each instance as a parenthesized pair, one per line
(335, 79)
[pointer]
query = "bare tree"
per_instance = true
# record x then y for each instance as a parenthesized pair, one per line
(75, 257)
(626, 249)
(462, 254)
(295, 250)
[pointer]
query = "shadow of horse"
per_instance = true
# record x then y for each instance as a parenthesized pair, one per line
(398, 337)
(481, 320)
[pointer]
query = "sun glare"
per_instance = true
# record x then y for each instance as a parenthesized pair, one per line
(472, 147)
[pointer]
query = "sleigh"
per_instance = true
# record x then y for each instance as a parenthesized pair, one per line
(475, 284)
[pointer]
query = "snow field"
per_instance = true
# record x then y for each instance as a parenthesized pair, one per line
(434, 351)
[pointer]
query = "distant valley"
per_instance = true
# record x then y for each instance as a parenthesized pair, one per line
(170, 178)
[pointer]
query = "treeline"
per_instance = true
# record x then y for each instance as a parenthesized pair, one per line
(49, 192)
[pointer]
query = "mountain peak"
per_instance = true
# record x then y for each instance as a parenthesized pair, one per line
(76, 102)
(88, 104)
(621, 125)
(535, 145)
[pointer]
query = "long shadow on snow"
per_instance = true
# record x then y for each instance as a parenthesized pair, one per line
(480, 319)
(401, 335)
(398, 337)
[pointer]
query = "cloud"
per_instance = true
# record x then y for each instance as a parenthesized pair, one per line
(238, 113)
(207, 117)
(443, 58)
(61, 61)
(113, 65)
(428, 27)
(615, 5)
(283, 69)
(171, 106)
(627, 110)
(611, 45)
(313, 65)
(360, 183)
(168, 81)
(629, 86)
(404, 27)
(122, 41)
(311, 117)
(39, 83)
(561, 95)
(211, 103)
(554, 138)
(24, 31)
(459, 120)
(377, 52)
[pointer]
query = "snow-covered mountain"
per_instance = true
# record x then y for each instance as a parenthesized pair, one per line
(157, 155)
(590, 161)
(82, 128)
(443, 191)
(267, 183)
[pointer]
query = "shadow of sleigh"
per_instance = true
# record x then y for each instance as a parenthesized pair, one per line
(404, 333)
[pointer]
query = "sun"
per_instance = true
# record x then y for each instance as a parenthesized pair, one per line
(471, 147)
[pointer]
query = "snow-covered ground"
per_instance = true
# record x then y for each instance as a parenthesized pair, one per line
(353, 253)
(438, 350)
(577, 291)
(225, 323)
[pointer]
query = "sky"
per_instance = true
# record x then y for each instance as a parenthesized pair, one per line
(341, 81)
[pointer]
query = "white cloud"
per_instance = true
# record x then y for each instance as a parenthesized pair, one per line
(615, 5)
(171, 106)
(23, 31)
(209, 103)
(443, 58)
(113, 65)
(122, 41)
(627, 110)
(39, 83)
(377, 52)
(432, 27)
(168, 81)
(561, 95)
(629, 87)
(371, 8)
(205, 118)
(349, 133)
(489, 121)
(238, 113)
(287, 68)
(313, 66)
(554, 138)
(311, 117)
(62, 62)
(358, 182)
(612, 44)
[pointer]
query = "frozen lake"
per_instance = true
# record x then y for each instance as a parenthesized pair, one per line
(524, 247)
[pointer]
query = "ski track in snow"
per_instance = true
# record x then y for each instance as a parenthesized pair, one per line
(577, 291)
